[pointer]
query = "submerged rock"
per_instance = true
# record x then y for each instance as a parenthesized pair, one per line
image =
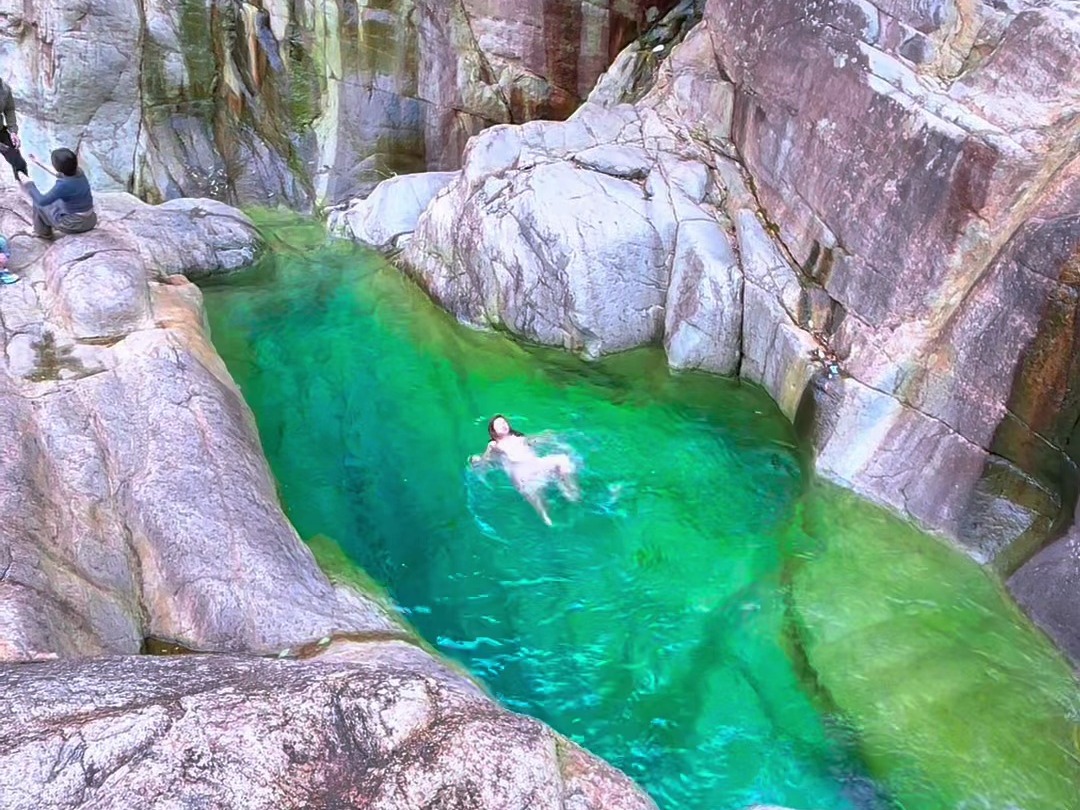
(955, 699)
(379, 724)
(869, 209)
(1048, 587)
(137, 512)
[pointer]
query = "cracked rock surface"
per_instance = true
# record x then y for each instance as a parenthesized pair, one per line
(893, 184)
(137, 509)
(283, 101)
(380, 725)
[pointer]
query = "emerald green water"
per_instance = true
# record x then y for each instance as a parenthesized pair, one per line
(709, 621)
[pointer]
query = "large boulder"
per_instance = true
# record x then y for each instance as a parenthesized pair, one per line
(868, 208)
(391, 211)
(1048, 587)
(377, 724)
(136, 498)
(271, 102)
(567, 233)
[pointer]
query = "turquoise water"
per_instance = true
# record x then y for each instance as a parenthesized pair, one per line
(707, 620)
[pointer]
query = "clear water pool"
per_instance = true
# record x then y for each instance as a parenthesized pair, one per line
(708, 620)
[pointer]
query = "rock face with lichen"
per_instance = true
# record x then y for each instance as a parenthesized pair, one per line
(271, 101)
(137, 513)
(869, 208)
(379, 724)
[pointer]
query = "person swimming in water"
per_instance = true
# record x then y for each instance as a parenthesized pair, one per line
(529, 473)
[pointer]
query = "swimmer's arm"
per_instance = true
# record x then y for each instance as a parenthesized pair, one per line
(487, 459)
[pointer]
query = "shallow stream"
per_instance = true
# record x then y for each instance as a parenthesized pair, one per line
(707, 619)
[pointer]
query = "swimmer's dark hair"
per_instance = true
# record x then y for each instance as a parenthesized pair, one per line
(491, 427)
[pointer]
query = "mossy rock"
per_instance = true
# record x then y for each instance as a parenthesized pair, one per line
(955, 702)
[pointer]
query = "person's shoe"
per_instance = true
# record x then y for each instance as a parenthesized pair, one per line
(8, 278)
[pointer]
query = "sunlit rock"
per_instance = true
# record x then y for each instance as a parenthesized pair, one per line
(389, 214)
(375, 724)
(293, 103)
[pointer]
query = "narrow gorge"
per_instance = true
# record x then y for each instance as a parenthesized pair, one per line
(794, 285)
(896, 187)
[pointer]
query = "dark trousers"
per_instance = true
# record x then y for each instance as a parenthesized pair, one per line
(45, 220)
(12, 155)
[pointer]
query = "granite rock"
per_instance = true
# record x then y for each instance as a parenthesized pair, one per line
(378, 724)
(269, 102)
(136, 500)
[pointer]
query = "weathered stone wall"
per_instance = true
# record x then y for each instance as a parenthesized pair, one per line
(921, 164)
(294, 102)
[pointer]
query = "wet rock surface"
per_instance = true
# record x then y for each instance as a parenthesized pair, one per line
(868, 208)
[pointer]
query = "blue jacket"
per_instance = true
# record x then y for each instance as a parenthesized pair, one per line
(72, 194)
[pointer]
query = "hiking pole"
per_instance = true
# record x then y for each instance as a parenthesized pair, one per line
(41, 165)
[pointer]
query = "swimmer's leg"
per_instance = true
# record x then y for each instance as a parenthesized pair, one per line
(565, 477)
(539, 504)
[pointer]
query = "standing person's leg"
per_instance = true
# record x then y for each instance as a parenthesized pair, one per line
(11, 154)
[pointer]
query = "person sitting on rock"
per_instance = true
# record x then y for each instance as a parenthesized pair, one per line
(68, 206)
(529, 473)
(9, 132)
